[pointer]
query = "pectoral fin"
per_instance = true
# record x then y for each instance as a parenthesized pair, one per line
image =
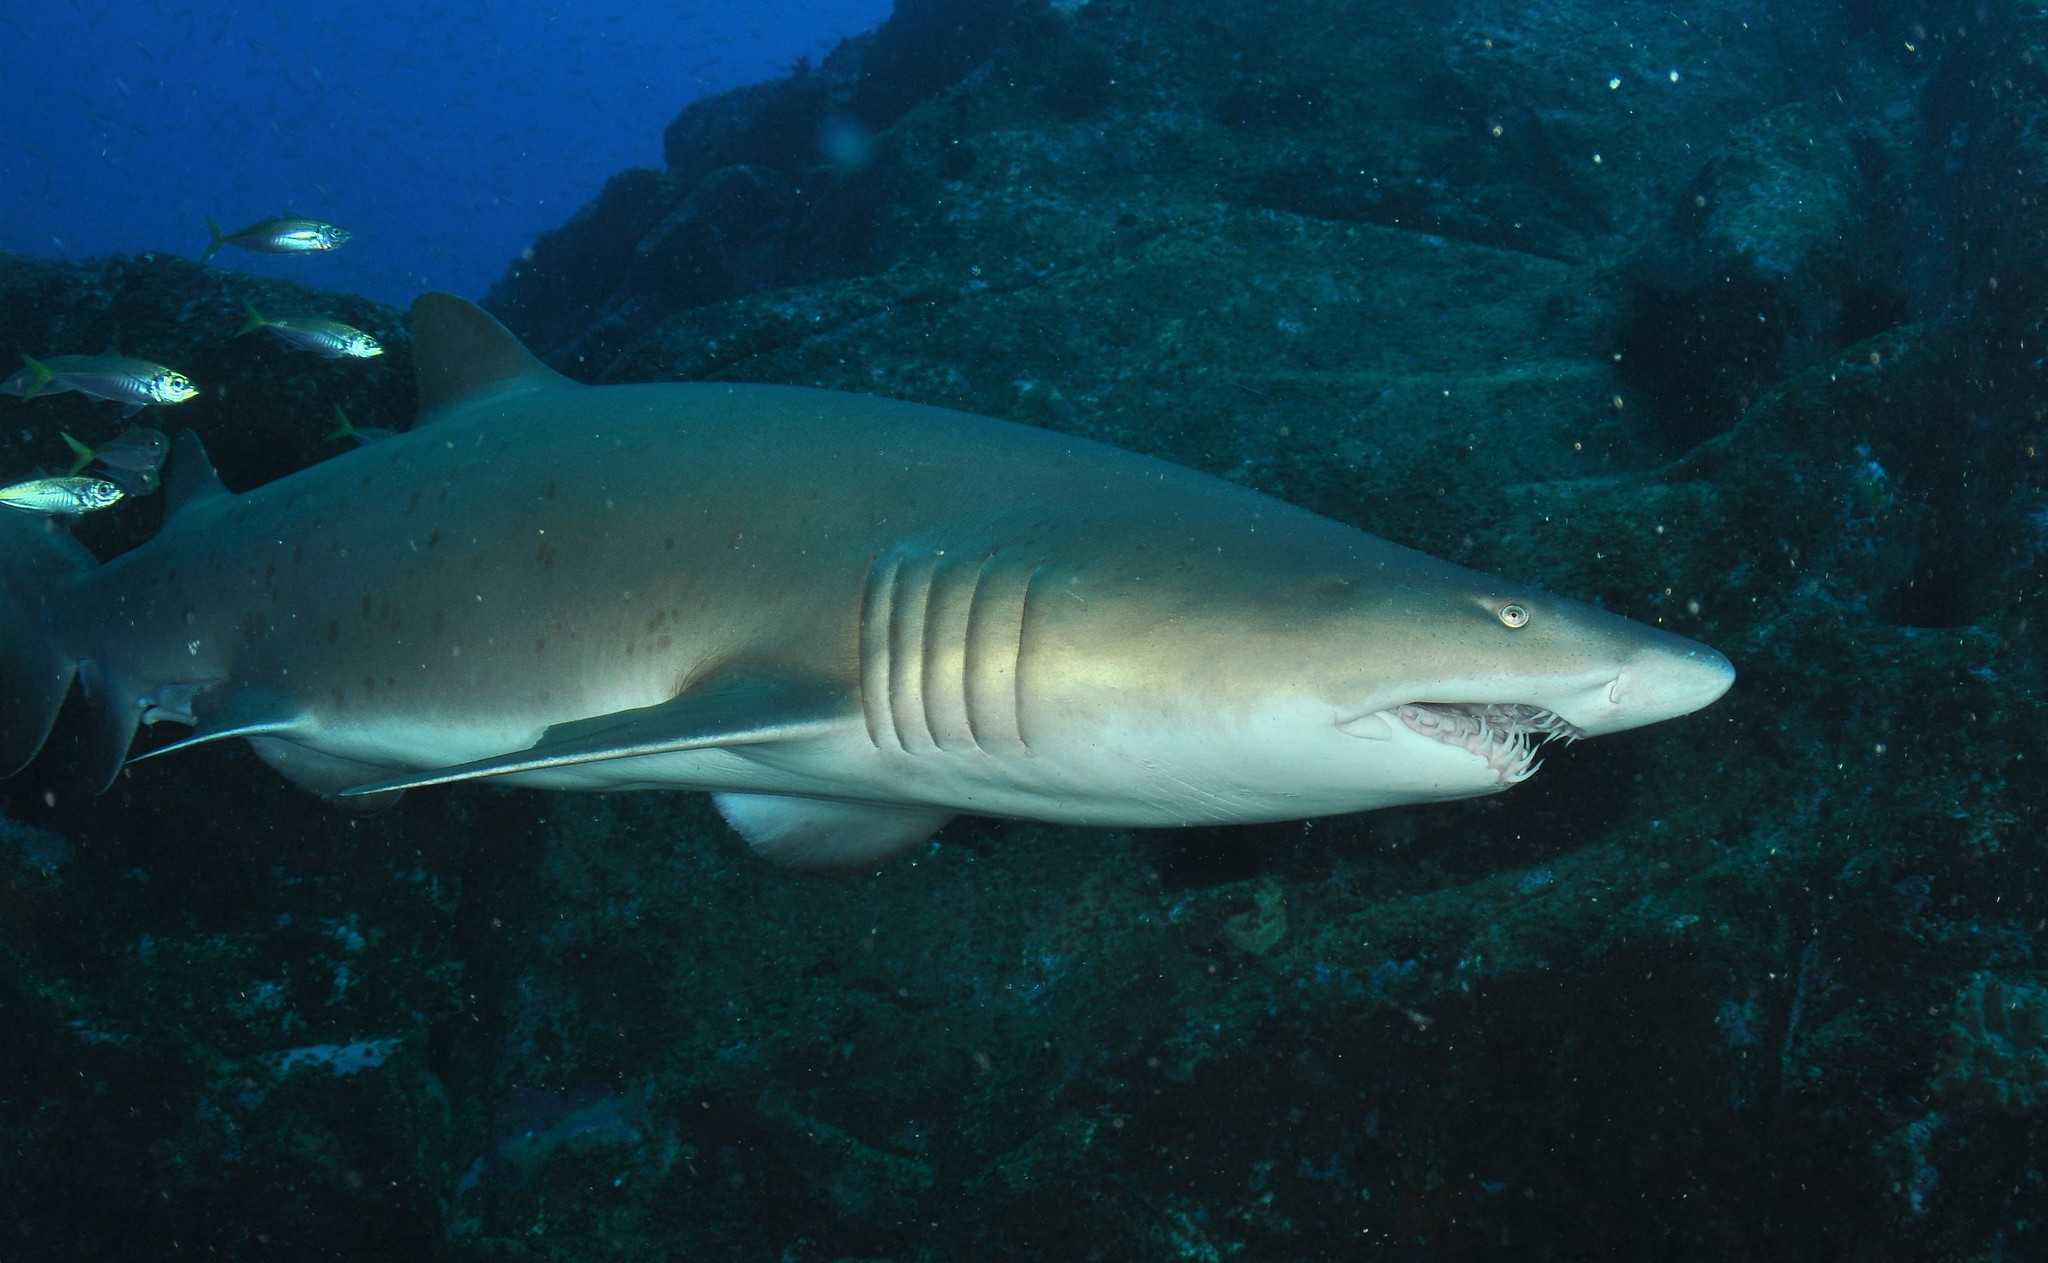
(735, 710)
(819, 835)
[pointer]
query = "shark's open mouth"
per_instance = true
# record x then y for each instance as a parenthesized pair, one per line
(1508, 736)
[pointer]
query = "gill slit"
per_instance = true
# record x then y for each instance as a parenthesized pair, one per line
(1017, 664)
(927, 654)
(967, 643)
(909, 609)
(877, 600)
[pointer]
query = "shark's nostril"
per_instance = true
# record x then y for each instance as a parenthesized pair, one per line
(1661, 685)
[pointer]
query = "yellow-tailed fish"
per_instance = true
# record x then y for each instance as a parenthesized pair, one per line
(130, 460)
(40, 377)
(277, 234)
(67, 494)
(329, 338)
(345, 429)
(122, 379)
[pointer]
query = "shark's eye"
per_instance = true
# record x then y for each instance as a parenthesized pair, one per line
(1513, 615)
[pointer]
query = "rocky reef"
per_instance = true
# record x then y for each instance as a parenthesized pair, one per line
(1731, 321)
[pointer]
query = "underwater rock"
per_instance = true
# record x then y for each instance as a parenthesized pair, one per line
(1258, 931)
(1998, 1047)
(750, 175)
(983, 132)
(1771, 261)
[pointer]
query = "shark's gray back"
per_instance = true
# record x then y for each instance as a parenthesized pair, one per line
(848, 617)
(569, 551)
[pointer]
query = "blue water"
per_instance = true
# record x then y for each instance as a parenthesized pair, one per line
(445, 136)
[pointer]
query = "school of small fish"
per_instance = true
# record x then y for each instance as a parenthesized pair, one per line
(129, 464)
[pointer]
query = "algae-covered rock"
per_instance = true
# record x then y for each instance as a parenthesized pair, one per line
(1998, 1048)
(1776, 255)
(1260, 930)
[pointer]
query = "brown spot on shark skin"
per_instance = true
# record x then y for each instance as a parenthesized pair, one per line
(440, 617)
(548, 492)
(668, 543)
(341, 699)
(369, 686)
(369, 605)
(540, 644)
(254, 624)
(545, 555)
(412, 502)
(433, 538)
(333, 631)
(654, 623)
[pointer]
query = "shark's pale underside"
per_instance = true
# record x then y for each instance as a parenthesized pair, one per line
(850, 618)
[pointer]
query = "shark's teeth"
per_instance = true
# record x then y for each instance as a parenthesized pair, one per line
(1508, 736)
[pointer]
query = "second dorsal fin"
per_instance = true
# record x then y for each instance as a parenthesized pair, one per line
(461, 353)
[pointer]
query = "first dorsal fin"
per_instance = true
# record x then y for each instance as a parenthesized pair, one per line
(460, 354)
(189, 478)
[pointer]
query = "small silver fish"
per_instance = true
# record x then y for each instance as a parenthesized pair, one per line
(277, 234)
(67, 494)
(130, 460)
(330, 338)
(116, 378)
(139, 448)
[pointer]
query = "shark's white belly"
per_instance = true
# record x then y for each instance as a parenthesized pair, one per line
(1131, 770)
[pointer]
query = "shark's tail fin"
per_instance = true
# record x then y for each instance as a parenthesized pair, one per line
(38, 561)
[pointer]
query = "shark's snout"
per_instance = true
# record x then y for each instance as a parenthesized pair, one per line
(1663, 683)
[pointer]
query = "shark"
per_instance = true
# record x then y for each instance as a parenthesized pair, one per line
(848, 618)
